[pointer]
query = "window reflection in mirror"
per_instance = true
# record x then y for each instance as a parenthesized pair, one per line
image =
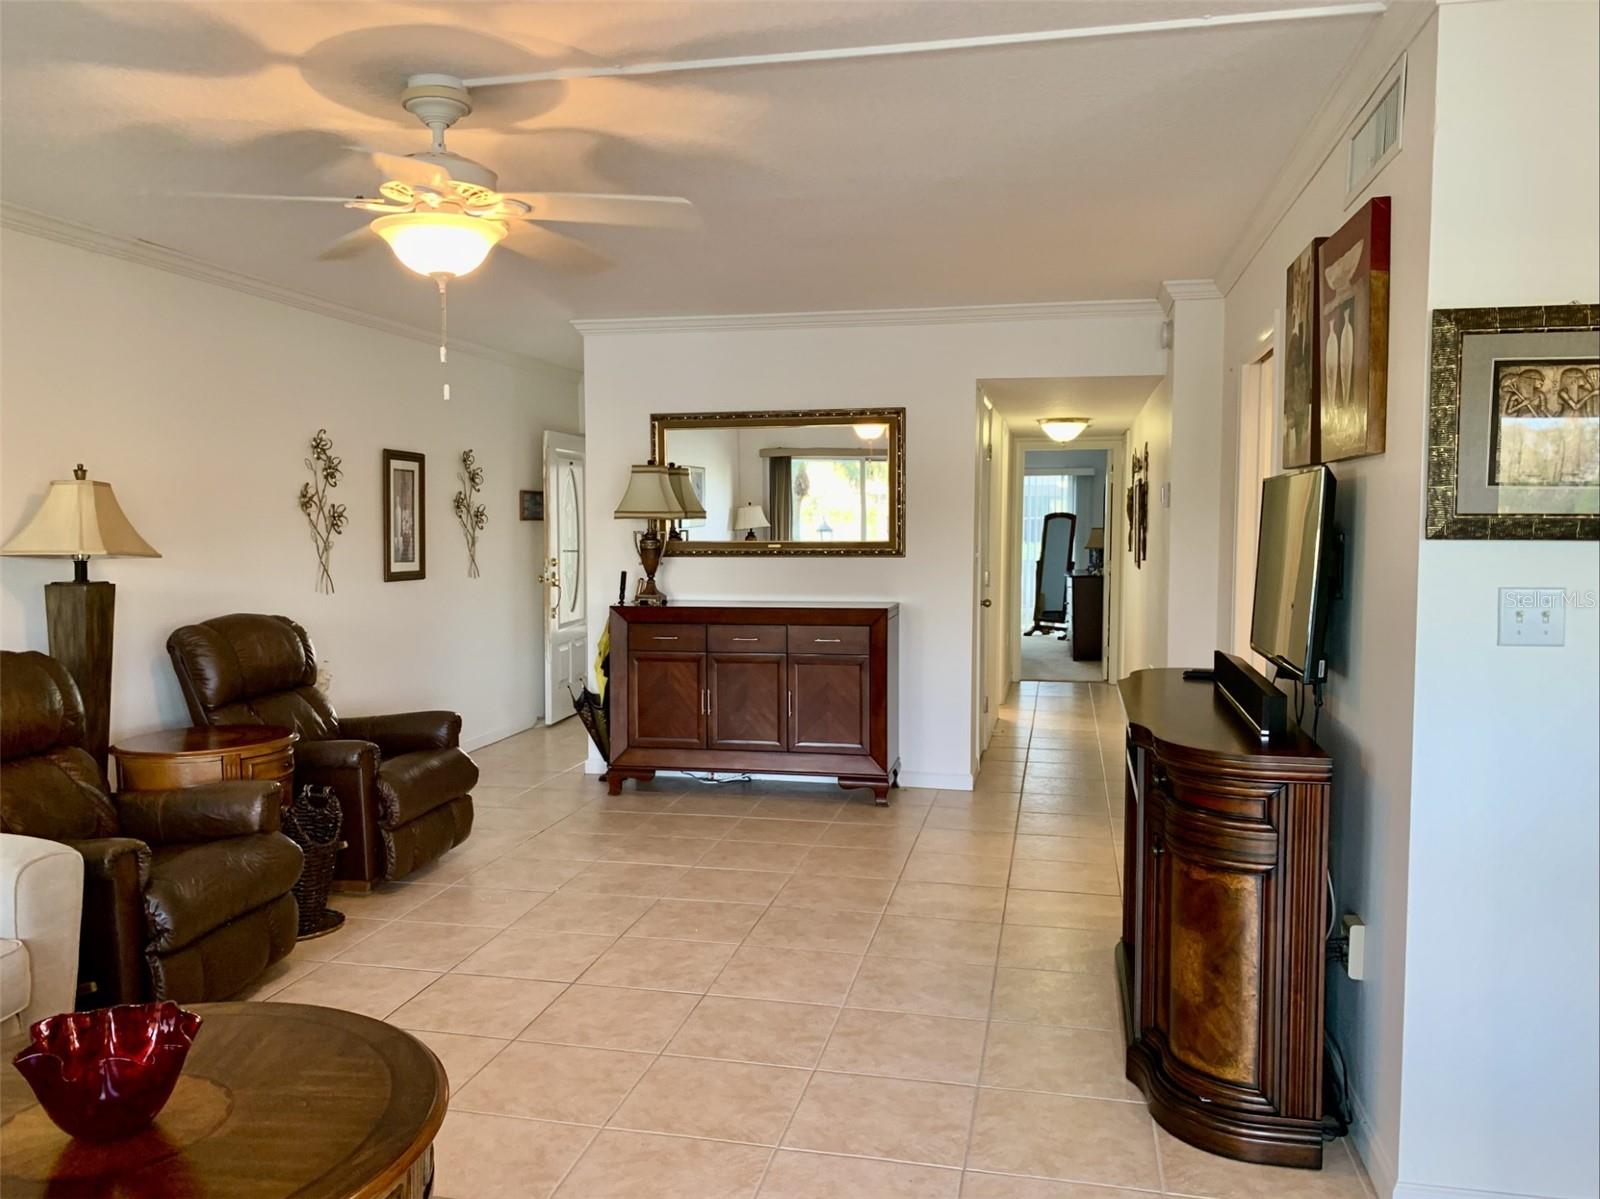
(793, 482)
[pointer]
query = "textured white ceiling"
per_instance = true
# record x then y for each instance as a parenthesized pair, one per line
(1080, 170)
(1110, 401)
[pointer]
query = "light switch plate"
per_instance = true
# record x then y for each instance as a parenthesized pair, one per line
(1533, 616)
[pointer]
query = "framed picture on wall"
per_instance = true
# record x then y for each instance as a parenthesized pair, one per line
(405, 543)
(530, 505)
(1302, 360)
(1353, 332)
(1514, 424)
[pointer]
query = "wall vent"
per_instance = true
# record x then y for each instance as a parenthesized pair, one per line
(1375, 135)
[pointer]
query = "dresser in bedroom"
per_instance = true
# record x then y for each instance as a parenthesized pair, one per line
(755, 688)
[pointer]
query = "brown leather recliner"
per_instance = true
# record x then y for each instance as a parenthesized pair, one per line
(187, 894)
(403, 783)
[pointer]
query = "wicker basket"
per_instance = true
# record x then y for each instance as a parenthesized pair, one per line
(312, 822)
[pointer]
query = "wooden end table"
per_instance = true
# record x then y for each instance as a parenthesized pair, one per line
(176, 758)
(276, 1100)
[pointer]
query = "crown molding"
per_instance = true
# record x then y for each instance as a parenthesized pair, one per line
(1173, 290)
(129, 249)
(1388, 39)
(861, 317)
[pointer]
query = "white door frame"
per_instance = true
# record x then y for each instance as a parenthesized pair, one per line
(566, 633)
(1116, 447)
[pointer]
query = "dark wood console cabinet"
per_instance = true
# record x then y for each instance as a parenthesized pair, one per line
(1224, 918)
(760, 688)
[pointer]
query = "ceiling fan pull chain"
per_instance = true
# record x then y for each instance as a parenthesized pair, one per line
(444, 332)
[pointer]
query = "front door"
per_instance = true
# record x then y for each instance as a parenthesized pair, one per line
(566, 639)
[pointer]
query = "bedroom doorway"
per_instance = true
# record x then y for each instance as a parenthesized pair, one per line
(1063, 602)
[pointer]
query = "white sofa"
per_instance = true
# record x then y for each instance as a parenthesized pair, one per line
(41, 907)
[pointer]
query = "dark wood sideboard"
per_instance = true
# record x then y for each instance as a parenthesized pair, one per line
(1222, 957)
(758, 688)
(1088, 616)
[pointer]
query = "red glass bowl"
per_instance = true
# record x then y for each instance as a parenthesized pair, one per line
(106, 1074)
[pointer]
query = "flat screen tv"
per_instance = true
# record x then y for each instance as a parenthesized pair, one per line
(1292, 572)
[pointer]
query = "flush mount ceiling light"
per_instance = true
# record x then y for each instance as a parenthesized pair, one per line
(870, 430)
(1064, 428)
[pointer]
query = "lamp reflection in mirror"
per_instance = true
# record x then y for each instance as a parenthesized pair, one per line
(1063, 428)
(748, 518)
(650, 497)
(80, 519)
(688, 499)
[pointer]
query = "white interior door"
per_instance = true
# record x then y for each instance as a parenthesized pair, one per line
(566, 637)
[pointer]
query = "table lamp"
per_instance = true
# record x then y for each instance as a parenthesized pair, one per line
(81, 519)
(749, 518)
(1096, 546)
(688, 498)
(650, 497)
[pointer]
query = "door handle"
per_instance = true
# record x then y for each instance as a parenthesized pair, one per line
(705, 702)
(664, 638)
(827, 640)
(747, 639)
(988, 603)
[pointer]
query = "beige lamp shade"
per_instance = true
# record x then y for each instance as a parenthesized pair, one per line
(80, 518)
(649, 496)
(683, 491)
(749, 516)
(1097, 539)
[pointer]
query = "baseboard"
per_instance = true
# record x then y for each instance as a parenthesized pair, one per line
(1424, 1190)
(1377, 1159)
(500, 734)
(934, 781)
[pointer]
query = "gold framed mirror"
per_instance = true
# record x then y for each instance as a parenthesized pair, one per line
(824, 483)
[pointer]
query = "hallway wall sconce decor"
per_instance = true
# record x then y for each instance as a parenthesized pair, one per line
(1302, 360)
(530, 505)
(327, 519)
(405, 515)
(80, 519)
(1138, 507)
(1353, 331)
(471, 515)
(1514, 424)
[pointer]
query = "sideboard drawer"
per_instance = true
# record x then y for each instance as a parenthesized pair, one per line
(828, 639)
(747, 638)
(686, 638)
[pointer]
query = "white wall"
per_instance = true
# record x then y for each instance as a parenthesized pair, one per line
(1367, 724)
(1502, 1031)
(195, 402)
(1144, 588)
(928, 367)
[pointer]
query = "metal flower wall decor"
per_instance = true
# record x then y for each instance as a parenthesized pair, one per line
(326, 520)
(472, 515)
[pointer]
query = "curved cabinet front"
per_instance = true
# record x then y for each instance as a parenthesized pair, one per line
(1222, 954)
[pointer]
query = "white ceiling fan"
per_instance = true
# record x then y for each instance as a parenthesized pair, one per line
(442, 213)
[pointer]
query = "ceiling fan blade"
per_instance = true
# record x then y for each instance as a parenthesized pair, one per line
(551, 249)
(593, 208)
(355, 242)
(254, 196)
(406, 169)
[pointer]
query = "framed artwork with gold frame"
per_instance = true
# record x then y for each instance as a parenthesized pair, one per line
(1514, 424)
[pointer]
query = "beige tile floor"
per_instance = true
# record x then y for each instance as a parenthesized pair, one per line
(779, 989)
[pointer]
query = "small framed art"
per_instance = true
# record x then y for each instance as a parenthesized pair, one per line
(405, 542)
(530, 505)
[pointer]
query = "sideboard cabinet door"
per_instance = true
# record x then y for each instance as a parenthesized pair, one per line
(1204, 950)
(832, 704)
(667, 700)
(749, 702)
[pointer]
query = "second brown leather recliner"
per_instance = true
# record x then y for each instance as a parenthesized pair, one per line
(403, 782)
(187, 894)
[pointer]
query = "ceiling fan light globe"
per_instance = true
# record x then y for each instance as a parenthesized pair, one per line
(1063, 428)
(435, 244)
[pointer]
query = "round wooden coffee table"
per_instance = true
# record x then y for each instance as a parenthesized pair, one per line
(277, 1100)
(175, 758)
